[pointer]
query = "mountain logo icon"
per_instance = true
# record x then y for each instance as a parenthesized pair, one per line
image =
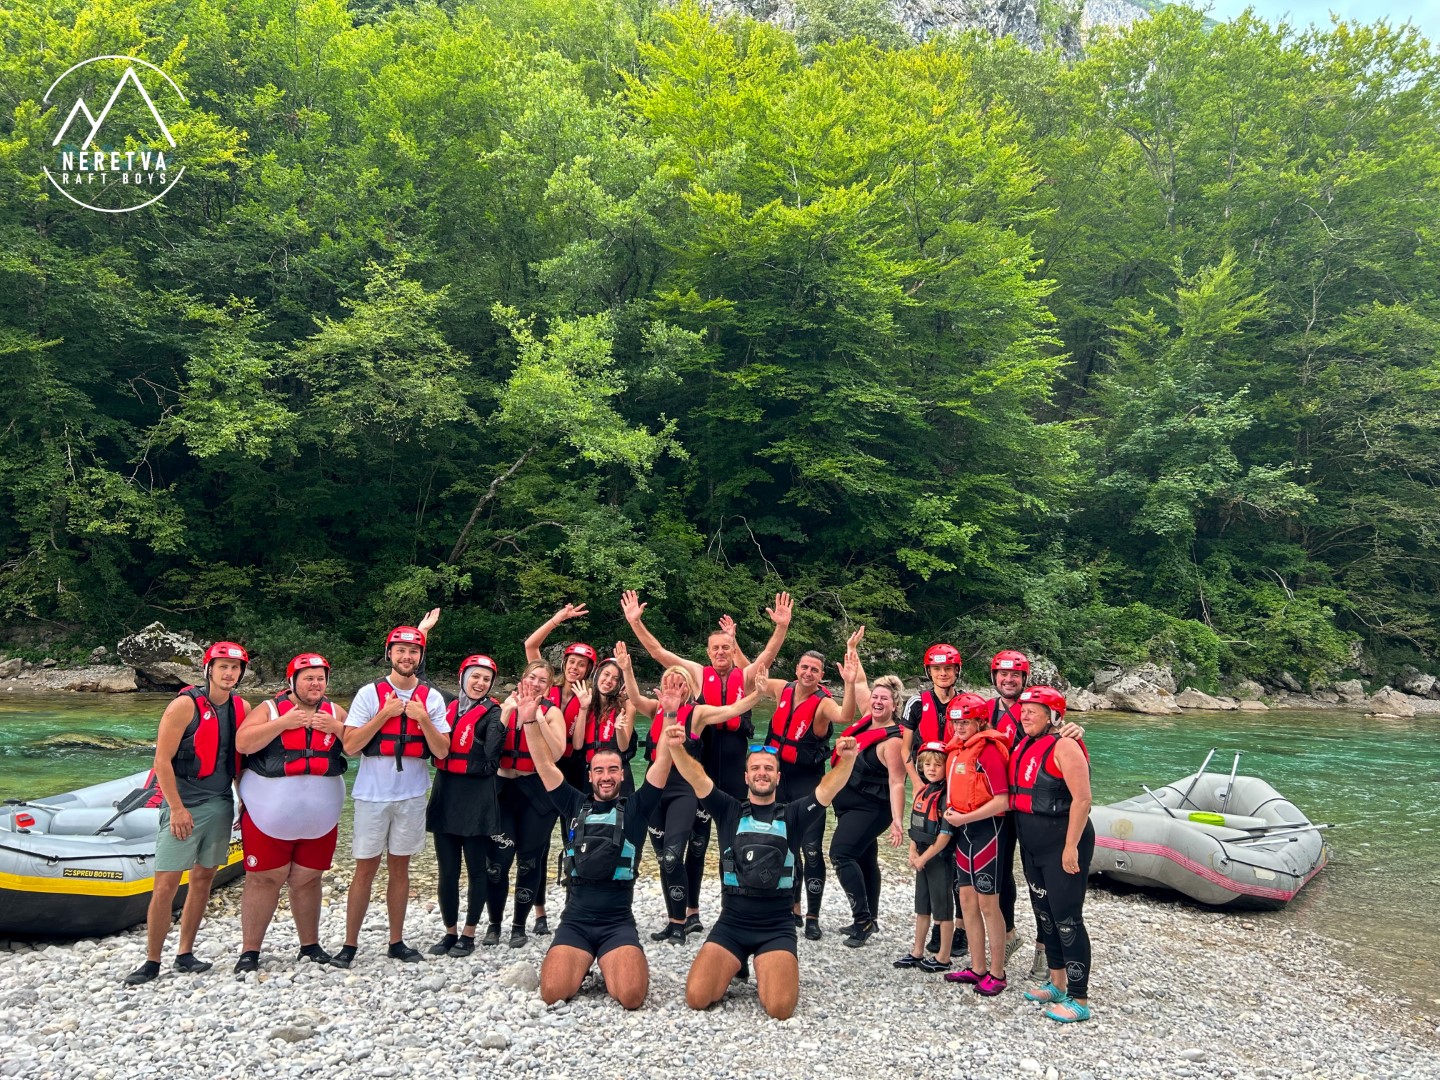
(124, 156)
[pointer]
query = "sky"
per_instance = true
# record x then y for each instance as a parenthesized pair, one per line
(1425, 14)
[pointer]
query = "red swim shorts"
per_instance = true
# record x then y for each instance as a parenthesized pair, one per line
(264, 852)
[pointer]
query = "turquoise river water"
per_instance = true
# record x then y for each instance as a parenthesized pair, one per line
(1377, 781)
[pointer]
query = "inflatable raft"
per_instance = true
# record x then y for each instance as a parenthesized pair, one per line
(1226, 841)
(73, 865)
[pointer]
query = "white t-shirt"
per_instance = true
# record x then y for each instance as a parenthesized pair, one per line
(377, 779)
(292, 807)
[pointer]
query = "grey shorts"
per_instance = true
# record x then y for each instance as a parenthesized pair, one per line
(394, 827)
(935, 889)
(208, 843)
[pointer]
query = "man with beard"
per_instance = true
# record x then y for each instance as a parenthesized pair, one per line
(759, 841)
(604, 835)
(395, 724)
(293, 787)
(195, 764)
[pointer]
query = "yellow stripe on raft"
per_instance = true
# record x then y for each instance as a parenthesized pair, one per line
(90, 886)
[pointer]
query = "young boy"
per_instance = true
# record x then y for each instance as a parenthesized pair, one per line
(934, 873)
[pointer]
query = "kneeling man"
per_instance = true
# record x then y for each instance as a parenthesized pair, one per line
(603, 837)
(759, 842)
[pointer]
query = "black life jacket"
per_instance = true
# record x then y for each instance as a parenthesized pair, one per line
(596, 851)
(759, 862)
(871, 776)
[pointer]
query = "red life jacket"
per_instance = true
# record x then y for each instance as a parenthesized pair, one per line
(1034, 787)
(792, 729)
(867, 738)
(571, 712)
(927, 814)
(600, 732)
(197, 755)
(1006, 720)
(467, 755)
(514, 749)
(299, 751)
(399, 737)
(682, 717)
(966, 786)
(933, 725)
(715, 690)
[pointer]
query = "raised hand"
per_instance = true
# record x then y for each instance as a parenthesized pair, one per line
(674, 692)
(571, 611)
(855, 638)
(847, 747)
(428, 622)
(727, 625)
(780, 613)
(622, 656)
(583, 692)
(850, 669)
(630, 605)
(527, 701)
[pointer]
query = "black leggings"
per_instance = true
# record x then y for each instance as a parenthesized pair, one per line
(1058, 897)
(795, 786)
(1008, 890)
(670, 831)
(855, 850)
(448, 850)
(527, 818)
(695, 855)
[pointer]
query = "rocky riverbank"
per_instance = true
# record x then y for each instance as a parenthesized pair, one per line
(1178, 992)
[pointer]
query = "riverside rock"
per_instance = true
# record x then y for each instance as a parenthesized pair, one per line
(1135, 694)
(1351, 691)
(9, 669)
(165, 658)
(1083, 700)
(1190, 698)
(1387, 701)
(1416, 682)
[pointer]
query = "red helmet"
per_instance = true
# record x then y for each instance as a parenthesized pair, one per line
(942, 654)
(225, 650)
(302, 662)
(967, 707)
(1010, 660)
(579, 648)
(1048, 696)
(932, 747)
(407, 635)
(478, 660)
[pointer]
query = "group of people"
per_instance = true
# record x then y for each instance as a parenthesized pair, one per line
(985, 776)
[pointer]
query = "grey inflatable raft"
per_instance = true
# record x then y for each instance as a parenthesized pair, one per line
(73, 865)
(1227, 841)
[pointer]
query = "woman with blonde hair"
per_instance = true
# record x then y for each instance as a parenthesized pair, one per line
(675, 819)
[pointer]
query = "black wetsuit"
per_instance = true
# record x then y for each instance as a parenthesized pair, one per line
(758, 921)
(600, 917)
(1042, 816)
(862, 814)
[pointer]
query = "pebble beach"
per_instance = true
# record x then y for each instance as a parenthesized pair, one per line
(1177, 992)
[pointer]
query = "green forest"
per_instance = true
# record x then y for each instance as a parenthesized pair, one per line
(503, 304)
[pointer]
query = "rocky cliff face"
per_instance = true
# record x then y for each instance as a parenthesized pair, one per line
(1070, 23)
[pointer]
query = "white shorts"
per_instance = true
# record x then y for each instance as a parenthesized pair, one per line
(394, 827)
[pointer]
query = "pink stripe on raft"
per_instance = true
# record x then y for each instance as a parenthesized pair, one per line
(1204, 871)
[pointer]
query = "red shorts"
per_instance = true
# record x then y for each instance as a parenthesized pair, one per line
(264, 852)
